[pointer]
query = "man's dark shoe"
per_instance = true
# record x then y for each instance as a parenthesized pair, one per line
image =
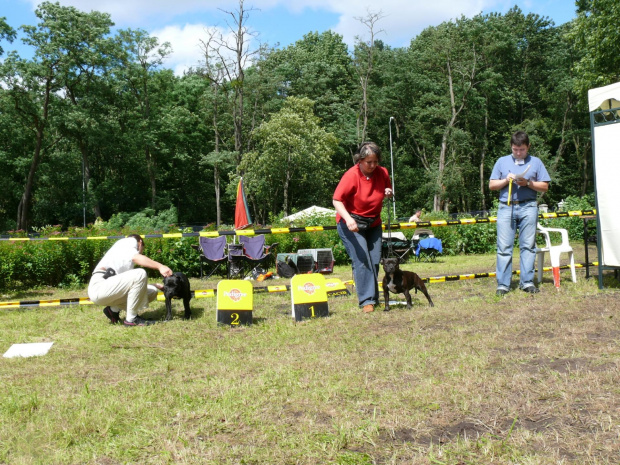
(501, 292)
(531, 290)
(139, 322)
(112, 316)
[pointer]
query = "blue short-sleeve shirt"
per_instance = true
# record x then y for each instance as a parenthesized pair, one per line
(508, 164)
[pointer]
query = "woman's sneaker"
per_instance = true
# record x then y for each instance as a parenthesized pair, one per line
(112, 316)
(139, 322)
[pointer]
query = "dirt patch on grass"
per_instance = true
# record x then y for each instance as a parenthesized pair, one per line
(567, 365)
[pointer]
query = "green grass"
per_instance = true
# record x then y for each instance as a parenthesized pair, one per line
(474, 380)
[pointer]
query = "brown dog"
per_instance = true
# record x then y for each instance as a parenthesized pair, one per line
(399, 281)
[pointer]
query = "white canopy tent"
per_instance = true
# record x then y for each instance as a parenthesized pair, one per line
(313, 210)
(604, 106)
(604, 97)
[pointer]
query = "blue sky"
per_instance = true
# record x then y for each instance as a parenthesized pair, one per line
(183, 22)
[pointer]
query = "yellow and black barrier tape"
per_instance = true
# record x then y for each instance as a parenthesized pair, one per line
(254, 232)
(463, 277)
(208, 293)
(197, 294)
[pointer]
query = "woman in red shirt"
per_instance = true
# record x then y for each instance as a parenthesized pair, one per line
(358, 200)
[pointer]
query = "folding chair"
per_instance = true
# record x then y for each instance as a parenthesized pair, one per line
(235, 261)
(427, 246)
(398, 243)
(255, 252)
(554, 253)
(213, 256)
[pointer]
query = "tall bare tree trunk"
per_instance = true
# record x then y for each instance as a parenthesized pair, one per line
(87, 176)
(454, 113)
(364, 73)
(150, 167)
(23, 209)
(287, 182)
(560, 152)
(221, 69)
(485, 144)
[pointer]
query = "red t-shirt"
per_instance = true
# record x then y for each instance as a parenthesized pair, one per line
(361, 195)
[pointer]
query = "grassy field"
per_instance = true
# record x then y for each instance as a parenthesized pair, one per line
(527, 379)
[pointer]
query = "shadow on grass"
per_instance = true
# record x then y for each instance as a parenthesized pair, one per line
(159, 313)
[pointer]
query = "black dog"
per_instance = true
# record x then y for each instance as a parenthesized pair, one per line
(177, 286)
(398, 281)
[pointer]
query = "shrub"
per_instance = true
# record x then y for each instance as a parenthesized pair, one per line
(48, 263)
(148, 220)
(574, 225)
(69, 263)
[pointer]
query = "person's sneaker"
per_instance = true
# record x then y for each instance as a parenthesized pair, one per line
(501, 292)
(368, 308)
(139, 322)
(112, 316)
(531, 290)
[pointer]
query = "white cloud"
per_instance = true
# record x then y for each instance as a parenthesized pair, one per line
(168, 20)
(187, 48)
(186, 51)
(131, 13)
(401, 20)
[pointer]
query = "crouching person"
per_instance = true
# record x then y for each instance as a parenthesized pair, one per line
(116, 284)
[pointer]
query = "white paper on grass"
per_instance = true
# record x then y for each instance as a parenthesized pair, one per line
(28, 350)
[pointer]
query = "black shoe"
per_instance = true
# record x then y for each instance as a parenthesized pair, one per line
(531, 290)
(501, 292)
(139, 322)
(112, 316)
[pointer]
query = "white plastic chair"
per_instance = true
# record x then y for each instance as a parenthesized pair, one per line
(554, 253)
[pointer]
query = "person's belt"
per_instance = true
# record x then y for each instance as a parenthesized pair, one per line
(517, 202)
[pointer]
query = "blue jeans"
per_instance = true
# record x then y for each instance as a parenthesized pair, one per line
(365, 252)
(510, 218)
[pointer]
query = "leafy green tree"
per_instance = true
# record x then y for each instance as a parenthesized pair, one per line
(318, 67)
(107, 107)
(138, 70)
(291, 163)
(186, 139)
(450, 63)
(458, 92)
(221, 162)
(61, 44)
(83, 98)
(596, 33)
(6, 32)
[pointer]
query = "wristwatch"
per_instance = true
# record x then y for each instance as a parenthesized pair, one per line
(528, 183)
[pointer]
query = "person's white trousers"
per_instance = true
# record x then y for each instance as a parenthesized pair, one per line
(128, 291)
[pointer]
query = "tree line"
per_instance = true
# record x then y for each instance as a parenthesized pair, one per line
(94, 124)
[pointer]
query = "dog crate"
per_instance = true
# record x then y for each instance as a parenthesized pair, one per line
(283, 257)
(323, 259)
(304, 261)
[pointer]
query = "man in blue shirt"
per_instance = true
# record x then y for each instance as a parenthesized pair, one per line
(528, 176)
